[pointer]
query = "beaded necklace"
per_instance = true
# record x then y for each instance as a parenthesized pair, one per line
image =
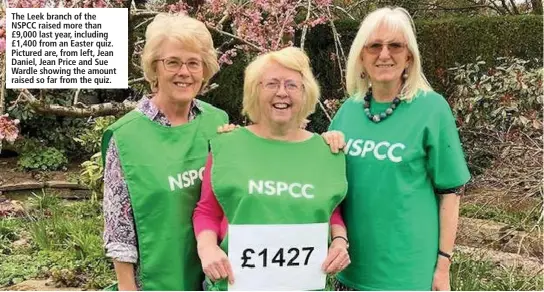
(383, 115)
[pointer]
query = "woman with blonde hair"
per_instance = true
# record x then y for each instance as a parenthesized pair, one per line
(153, 161)
(268, 207)
(405, 163)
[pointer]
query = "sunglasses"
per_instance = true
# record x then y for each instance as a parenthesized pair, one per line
(393, 48)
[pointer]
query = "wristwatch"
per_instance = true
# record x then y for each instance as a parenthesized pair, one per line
(446, 255)
(341, 237)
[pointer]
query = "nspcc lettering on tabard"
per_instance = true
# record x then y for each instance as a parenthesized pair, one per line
(67, 48)
(278, 188)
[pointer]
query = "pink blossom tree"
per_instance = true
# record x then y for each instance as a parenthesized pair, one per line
(252, 27)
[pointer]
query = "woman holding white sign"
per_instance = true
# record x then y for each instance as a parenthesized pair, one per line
(276, 185)
(154, 157)
(405, 163)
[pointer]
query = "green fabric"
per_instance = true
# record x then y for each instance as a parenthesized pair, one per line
(163, 169)
(240, 157)
(391, 210)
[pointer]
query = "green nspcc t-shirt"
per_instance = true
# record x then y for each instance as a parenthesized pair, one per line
(391, 209)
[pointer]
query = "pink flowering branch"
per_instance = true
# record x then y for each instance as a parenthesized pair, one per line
(256, 47)
(268, 24)
(2, 31)
(2, 84)
(252, 27)
(8, 129)
(289, 15)
(2, 59)
(340, 56)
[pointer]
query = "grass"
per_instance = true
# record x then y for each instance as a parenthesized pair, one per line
(59, 241)
(63, 242)
(513, 218)
(468, 274)
(519, 218)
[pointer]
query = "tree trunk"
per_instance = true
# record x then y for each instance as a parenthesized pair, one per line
(505, 7)
(514, 7)
(537, 7)
(97, 110)
(103, 109)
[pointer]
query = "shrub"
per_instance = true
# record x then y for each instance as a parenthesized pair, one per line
(505, 96)
(499, 113)
(90, 137)
(92, 170)
(442, 42)
(91, 175)
(42, 158)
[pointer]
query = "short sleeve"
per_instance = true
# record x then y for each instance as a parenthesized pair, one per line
(338, 116)
(225, 117)
(446, 161)
(332, 125)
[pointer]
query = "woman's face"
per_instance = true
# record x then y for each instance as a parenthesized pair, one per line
(385, 56)
(281, 95)
(180, 72)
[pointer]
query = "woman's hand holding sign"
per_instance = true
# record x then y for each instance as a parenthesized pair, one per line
(337, 257)
(215, 262)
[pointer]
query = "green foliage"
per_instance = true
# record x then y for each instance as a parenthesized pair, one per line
(62, 267)
(506, 95)
(65, 245)
(52, 131)
(521, 219)
(53, 230)
(90, 137)
(228, 96)
(472, 272)
(490, 32)
(13, 270)
(42, 158)
(446, 41)
(91, 175)
(468, 273)
(44, 201)
(495, 101)
(35, 156)
(442, 43)
(8, 234)
(428, 9)
(92, 170)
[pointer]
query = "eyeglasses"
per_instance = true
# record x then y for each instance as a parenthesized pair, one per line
(393, 48)
(289, 85)
(174, 64)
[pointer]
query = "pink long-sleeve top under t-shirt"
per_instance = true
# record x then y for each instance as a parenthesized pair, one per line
(208, 214)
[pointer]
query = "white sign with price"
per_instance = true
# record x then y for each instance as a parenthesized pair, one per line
(278, 257)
